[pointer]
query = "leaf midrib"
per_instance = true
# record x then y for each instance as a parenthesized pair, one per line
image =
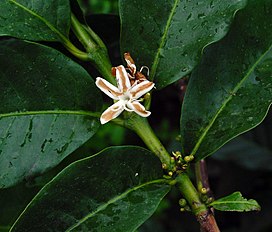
(234, 91)
(163, 40)
(113, 200)
(44, 112)
(55, 30)
(248, 202)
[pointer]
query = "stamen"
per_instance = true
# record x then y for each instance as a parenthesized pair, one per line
(145, 67)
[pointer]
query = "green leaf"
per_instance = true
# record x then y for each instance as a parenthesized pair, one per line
(35, 20)
(231, 90)
(114, 190)
(47, 105)
(235, 202)
(169, 36)
(13, 201)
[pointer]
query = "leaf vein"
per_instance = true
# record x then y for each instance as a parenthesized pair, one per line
(25, 113)
(248, 202)
(233, 92)
(163, 40)
(119, 197)
(55, 30)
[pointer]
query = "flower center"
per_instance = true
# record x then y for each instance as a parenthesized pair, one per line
(126, 96)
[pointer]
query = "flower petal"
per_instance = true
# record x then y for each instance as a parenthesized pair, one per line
(130, 63)
(109, 89)
(138, 108)
(122, 78)
(112, 112)
(141, 89)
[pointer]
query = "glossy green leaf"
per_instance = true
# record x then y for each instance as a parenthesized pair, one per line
(46, 109)
(35, 20)
(169, 36)
(235, 202)
(231, 90)
(114, 190)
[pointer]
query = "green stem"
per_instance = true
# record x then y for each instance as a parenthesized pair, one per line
(190, 193)
(103, 65)
(203, 214)
(142, 128)
(96, 50)
(82, 34)
(95, 37)
(75, 51)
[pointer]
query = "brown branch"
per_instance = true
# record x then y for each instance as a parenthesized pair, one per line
(204, 217)
(207, 222)
(202, 177)
(203, 214)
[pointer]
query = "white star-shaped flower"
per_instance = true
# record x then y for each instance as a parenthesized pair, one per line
(125, 94)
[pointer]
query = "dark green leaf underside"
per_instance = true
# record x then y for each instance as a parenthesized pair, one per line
(231, 90)
(35, 20)
(169, 36)
(235, 202)
(115, 190)
(47, 102)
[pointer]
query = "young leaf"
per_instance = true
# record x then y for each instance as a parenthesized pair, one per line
(114, 190)
(47, 102)
(235, 202)
(231, 90)
(169, 36)
(35, 20)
